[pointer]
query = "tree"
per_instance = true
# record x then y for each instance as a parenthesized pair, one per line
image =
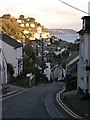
(38, 25)
(32, 20)
(43, 29)
(10, 72)
(73, 47)
(28, 19)
(29, 58)
(11, 27)
(10, 69)
(21, 17)
(6, 16)
(28, 49)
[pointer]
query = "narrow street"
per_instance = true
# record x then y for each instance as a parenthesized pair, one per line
(36, 102)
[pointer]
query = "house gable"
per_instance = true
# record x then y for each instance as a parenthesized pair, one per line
(10, 41)
(13, 52)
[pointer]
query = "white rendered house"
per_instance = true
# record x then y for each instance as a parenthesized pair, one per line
(83, 79)
(13, 53)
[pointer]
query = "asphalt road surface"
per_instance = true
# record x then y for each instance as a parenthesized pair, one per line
(36, 102)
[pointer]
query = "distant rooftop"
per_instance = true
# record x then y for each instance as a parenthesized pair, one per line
(75, 54)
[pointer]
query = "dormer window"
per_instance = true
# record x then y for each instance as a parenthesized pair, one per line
(86, 23)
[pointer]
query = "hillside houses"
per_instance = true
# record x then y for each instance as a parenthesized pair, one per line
(31, 29)
(11, 52)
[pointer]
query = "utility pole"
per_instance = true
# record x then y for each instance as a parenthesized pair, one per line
(37, 54)
(42, 57)
(37, 46)
(89, 8)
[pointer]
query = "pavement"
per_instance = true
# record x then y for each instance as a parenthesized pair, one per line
(12, 89)
(74, 105)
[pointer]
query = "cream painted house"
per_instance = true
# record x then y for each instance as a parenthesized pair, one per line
(12, 52)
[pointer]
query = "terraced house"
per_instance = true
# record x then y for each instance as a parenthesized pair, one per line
(83, 82)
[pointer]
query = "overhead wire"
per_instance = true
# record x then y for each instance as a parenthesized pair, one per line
(73, 7)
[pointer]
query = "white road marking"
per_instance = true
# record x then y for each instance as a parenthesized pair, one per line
(17, 93)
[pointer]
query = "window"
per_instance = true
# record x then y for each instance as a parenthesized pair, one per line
(84, 24)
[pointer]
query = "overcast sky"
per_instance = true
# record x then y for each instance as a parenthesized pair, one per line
(50, 13)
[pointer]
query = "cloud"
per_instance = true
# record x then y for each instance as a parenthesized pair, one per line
(51, 13)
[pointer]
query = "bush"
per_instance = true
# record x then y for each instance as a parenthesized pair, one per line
(40, 77)
(21, 81)
(10, 72)
(71, 82)
(10, 69)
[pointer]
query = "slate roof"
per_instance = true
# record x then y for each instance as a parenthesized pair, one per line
(83, 31)
(75, 54)
(86, 17)
(10, 41)
(73, 67)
